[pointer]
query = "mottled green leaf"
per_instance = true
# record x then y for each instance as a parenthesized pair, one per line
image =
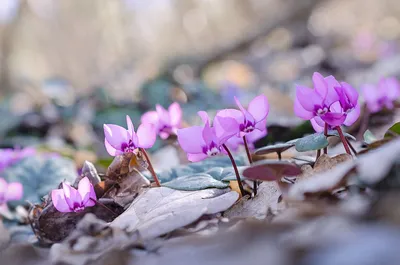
(195, 182)
(369, 138)
(311, 142)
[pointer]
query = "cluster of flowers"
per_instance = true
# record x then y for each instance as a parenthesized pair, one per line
(329, 105)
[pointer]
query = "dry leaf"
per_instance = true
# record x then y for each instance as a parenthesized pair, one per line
(162, 210)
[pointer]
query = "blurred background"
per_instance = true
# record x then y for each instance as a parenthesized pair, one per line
(69, 66)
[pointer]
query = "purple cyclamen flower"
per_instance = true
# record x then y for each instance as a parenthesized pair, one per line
(12, 191)
(381, 96)
(166, 122)
(234, 142)
(10, 156)
(119, 140)
(200, 142)
(68, 199)
(330, 102)
(245, 121)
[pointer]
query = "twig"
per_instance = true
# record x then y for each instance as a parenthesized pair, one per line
(246, 146)
(150, 167)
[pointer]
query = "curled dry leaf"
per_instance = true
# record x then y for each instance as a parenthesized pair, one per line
(322, 182)
(162, 210)
(89, 171)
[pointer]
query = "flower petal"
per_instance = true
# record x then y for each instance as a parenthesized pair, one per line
(175, 114)
(247, 115)
(150, 117)
(111, 150)
(59, 202)
(302, 112)
(308, 98)
(116, 135)
(163, 115)
(333, 118)
(393, 88)
(331, 96)
(196, 157)
(261, 126)
(191, 139)
(350, 92)
(204, 116)
(146, 134)
(352, 116)
(86, 191)
(316, 126)
(256, 135)
(71, 195)
(208, 134)
(259, 108)
(320, 85)
(226, 122)
(14, 191)
(131, 128)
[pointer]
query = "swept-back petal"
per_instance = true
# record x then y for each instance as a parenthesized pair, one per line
(204, 116)
(196, 157)
(301, 112)
(308, 98)
(352, 116)
(208, 134)
(191, 139)
(131, 128)
(316, 126)
(116, 135)
(14, 191)
(146, 134)
(226, 122)
(247, 115)
(175, 114)
(320, 85)
(71, 195)
(150, 117)
(86, 190)
(261, 126)
(163, 114)
(331, 96)
(259, 108)
(350, 92)
(57, 196)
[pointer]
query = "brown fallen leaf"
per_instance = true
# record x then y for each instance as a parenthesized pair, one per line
(259, 206)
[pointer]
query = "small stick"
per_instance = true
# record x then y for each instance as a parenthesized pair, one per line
(251, 162)
(343, 138)
(150, 168)
(326, 134)
(236, 170)
(351, 147)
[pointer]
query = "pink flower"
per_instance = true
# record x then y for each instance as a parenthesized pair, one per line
(234, 142)
(381, 96)
(167, 122)
(9, 192)
(329, 102)
(200, 142)
(68, 199)
(118, 140)
(246, 121)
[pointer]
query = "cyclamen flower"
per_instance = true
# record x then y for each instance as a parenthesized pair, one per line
(330, 102)
(119, 140)
(200, 142)
(68, 199)
(10, 156)
(244, 121)
(166, 122)
(9, 192)
(381, 96)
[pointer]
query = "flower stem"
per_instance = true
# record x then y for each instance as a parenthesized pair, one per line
(318, 154)
(326, 134)
(105, 207)
(343, 138)
(246, 146)
(236, 170)
(279, 155)
(351, 147)
(150, 168)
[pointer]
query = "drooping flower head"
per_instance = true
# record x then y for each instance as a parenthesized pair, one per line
(381, 96)
(330, 102)
(200, 142)
(245, 121)
(119, 140)
(69, 199)
(166, 122)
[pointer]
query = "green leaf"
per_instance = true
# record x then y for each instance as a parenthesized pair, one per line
(347, 135)
(393, 131)
(195, 182)
(39, 175)
(209, 173)
(279, 148)
(369, 138)
(311, 142)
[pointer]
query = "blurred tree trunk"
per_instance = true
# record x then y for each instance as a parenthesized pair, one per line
(6, 46)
